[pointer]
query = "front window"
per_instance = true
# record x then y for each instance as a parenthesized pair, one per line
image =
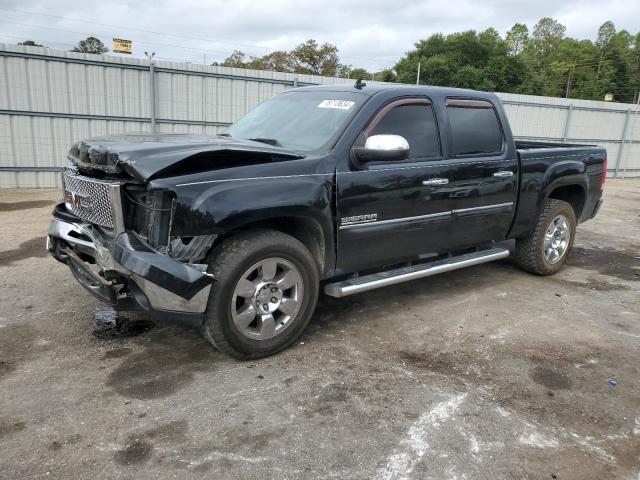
(416, 122)
(303, 121)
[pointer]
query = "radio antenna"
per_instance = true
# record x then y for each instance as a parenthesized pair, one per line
(359, 84)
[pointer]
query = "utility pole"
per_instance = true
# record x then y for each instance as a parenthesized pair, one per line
(633, 126)
(418, 76)
(566, 95)
(152, 90)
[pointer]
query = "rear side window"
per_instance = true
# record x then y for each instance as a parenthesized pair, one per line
(417, 124)
(474, 127)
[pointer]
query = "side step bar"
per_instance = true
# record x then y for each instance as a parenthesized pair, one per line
(404, 274)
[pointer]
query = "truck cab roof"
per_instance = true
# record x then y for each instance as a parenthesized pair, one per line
(371, 89)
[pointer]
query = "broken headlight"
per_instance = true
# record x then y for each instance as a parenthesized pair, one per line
(149, 213)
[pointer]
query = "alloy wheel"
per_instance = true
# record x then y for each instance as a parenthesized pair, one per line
(267, 298)
(556, 239)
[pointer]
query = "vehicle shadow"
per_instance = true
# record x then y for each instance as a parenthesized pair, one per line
(164, 358)
(430, 289)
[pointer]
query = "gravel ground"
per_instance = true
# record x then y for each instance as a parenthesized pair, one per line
(487, 372)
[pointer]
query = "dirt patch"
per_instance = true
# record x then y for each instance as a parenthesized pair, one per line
(26, 205)
(557, 375)
(623, 264)
(55, 445)
(593, 284)
(116, 353)
(9, 426)
(167, 364)
(16, 347)
(250, 440)
(135, 452)
(59, 444)
(550, 378)
(331, 398)
(34, 248)
(446, 363)
(139, 446)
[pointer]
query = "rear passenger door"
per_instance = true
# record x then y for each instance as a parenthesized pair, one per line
(483, 174)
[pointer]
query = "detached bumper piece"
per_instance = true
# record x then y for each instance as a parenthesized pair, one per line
(128, 274)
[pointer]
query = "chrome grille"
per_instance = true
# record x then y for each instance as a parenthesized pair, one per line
(91, 199)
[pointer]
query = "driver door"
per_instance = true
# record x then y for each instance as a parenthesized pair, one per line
(396, 211)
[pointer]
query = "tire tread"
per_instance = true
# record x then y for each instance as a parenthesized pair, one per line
(527, 253)
(223, 259)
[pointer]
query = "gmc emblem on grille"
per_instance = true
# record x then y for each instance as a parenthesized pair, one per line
(77, 200)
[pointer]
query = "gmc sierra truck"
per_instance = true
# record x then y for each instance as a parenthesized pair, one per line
(346, 188)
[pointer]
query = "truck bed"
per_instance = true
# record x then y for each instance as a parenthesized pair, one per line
(544, 166)
(533, 145)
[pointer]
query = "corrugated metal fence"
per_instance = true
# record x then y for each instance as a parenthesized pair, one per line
(50, 99)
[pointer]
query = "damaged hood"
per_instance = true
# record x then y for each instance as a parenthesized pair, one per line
(144, 155)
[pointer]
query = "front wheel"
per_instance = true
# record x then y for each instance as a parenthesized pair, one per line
(545, 251)
(264, 296)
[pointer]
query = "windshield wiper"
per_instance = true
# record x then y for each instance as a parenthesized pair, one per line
(268, 141)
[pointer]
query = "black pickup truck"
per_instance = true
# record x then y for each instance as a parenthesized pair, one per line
(348, 188)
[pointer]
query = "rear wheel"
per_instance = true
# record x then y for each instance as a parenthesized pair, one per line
(545, 251)
(264, 296)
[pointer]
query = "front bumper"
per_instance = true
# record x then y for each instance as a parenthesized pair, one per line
(128, 274)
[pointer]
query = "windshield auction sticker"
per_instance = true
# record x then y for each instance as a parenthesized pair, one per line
(341, 104)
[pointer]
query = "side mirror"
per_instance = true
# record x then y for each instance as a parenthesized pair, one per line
(383, 148)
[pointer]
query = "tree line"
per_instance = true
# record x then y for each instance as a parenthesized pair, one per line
(88, 45)
(543, 61)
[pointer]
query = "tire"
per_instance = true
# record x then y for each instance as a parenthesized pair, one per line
(234, 263)
(532, 254)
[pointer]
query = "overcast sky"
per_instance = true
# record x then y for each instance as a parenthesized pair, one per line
(369, 33)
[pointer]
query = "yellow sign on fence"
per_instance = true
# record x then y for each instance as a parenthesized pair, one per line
(122, 46)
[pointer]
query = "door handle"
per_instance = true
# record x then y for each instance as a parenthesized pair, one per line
(436, 181)
(503, 173)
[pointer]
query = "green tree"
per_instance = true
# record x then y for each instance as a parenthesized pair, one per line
(542, 61)
(619, 73)
(517, 38)
(311, 58)
(30, 43)
(90, 45)
(236, 60)
(464, 59)
(307, 58)
(547, 35)
(606, 32)
(386, 75)
(278, 61)
(361, 73)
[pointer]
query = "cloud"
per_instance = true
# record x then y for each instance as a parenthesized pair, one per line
(369, 33)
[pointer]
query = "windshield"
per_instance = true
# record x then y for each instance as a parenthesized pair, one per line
(304, 121)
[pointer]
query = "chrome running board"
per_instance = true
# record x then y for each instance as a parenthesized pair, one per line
(404, 274)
